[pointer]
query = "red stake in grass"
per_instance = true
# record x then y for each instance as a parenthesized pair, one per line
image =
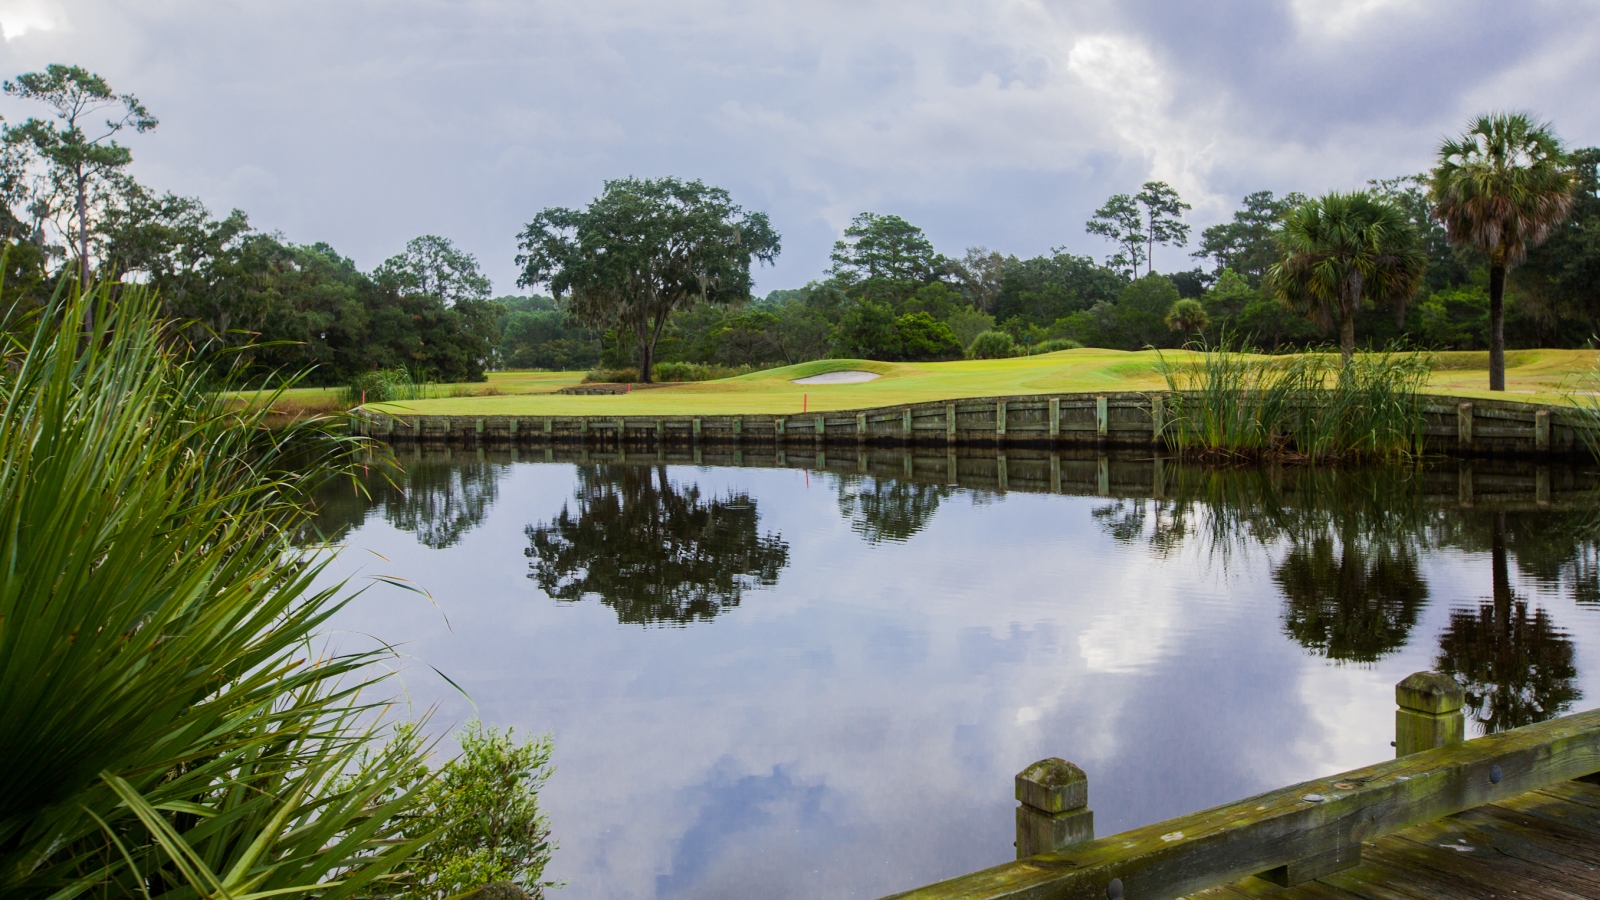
(805, 400)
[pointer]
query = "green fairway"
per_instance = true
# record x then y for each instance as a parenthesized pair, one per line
(1543, 376)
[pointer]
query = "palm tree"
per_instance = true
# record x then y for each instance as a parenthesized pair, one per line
(1188, 316)
(1501, 188)
(1342, 250)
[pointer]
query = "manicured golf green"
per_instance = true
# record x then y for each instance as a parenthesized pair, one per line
(1542, 376)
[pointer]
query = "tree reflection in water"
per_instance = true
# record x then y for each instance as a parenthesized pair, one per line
(886, 509)
(1349, 602)
(436, 498)
(1518, 668)
(654, 551)
(440, 500)
(1349, 542)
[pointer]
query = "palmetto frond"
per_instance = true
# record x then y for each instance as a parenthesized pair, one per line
(1502, 186)
(1343, 250)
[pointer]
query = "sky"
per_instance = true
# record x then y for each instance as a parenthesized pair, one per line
(995, 123)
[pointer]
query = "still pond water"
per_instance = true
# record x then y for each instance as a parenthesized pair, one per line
(809, 682)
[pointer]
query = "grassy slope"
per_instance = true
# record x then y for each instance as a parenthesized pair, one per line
(1532, 375)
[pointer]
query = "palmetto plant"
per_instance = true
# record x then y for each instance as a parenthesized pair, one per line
(166, 728)
(1342, 251)
(1501, 188)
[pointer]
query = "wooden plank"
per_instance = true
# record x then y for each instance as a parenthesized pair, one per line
(1229, 842)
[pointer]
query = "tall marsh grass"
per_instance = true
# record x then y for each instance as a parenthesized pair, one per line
(1229, 403)
(167, 726)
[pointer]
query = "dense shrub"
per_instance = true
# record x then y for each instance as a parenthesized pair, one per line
(992, 345)
(923, 338)
(1052, 346)
(625, 375)
(685, 371)
(381, 386)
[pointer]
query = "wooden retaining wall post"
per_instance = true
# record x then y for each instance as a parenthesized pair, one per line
(1464, 426)
(1158, 410)
(1102, 417)
(695, 428)
(821, 430)
(950, 423)
(1541, 430)
(1055, 418)
(1429, 714)
(861, 428)
(1000, 420)
(1053, 807)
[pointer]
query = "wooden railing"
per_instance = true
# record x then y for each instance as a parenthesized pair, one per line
(1289, 835)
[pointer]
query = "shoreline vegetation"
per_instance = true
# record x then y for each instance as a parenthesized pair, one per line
(174, 719)
(1553, 377)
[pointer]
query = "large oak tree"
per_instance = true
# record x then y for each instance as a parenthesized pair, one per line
(644, 249)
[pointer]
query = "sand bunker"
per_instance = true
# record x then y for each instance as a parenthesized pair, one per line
(854, 377)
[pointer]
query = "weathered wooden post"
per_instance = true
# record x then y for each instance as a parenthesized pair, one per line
(1158, 416)
(1102, 417)
(1053, 807)
(694, 428)
(1464, 426)
(1055, 419)
(950, 422)
(1000, 420)
(905, 423)
(1541, 431)
(1464, 484)
(1430, 713)
(821, 431)
(861, 428)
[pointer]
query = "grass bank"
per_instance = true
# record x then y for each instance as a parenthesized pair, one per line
(1536, 376)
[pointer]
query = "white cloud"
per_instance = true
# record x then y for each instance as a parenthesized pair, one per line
(18, 17)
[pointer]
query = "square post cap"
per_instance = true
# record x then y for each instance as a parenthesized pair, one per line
(1053, 785)
(1429, 692)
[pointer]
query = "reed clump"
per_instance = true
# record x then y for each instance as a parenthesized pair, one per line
(1232, 404)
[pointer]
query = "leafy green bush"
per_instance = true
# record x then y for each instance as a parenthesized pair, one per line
(992, 345)
(162, 731)
(483, 808)
(687, 371)
(924, 339)
(383, 386)
(629, 375)
(1058, 344)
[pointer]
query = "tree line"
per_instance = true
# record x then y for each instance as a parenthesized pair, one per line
(1498, 246)
(69, 208)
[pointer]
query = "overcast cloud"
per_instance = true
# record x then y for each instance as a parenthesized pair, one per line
(1002, 123)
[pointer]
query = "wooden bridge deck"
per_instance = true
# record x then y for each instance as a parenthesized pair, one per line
(1543, 843)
